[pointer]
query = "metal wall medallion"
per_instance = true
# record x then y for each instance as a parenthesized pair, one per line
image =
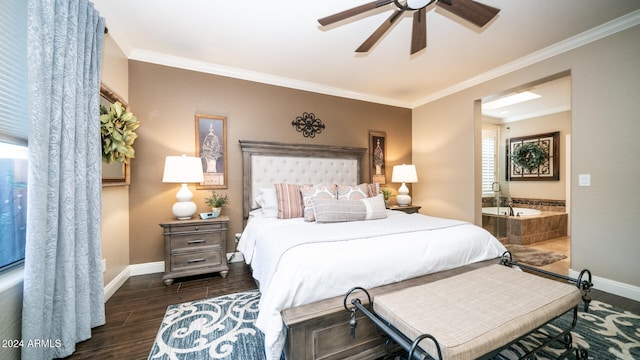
(308, 125)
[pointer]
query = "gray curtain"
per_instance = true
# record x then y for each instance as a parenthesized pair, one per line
(63, 284)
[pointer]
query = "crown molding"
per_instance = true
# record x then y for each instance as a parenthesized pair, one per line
(620, 24)
(237, 73)
(614, 26)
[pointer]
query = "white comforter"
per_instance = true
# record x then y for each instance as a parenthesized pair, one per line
(297, 262)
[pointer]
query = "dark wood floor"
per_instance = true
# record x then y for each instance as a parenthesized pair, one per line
(134, 313)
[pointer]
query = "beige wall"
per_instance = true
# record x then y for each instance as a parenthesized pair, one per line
(115, 199)
(604, 125)
(166, 99)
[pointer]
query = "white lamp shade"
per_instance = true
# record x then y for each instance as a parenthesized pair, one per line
(404, 174)
(182, 169)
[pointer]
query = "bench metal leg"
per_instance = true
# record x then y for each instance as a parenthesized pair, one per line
(583, 282)
(412, 347)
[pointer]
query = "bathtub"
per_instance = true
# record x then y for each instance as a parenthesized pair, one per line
(503, 210)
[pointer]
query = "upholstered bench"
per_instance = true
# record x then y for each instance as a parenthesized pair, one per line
(474, 314)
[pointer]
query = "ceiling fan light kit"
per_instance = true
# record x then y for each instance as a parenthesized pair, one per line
(415, 4)
(470, 10)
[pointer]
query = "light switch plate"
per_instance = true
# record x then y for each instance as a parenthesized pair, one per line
(584, 180)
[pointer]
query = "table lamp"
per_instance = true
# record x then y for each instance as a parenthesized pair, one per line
(404, 174)
(182, 170)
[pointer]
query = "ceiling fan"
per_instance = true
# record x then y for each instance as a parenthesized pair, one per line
(472, 11)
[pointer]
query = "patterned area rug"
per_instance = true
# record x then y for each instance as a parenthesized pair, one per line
(533, 256)
(223, 328)
(218, 328)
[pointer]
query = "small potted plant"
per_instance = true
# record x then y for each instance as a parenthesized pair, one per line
(386, 194)
(216, 201)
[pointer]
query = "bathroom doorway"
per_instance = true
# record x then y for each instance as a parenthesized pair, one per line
(526, 209)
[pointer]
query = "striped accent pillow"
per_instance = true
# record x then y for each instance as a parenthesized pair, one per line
(289, 201)
(349, 210)
(373, 189)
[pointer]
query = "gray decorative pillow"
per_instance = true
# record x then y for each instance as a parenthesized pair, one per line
(349, 210)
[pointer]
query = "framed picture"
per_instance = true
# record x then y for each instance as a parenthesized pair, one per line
(115, 173)
(377, 156)
(211, 147)
(547, 169)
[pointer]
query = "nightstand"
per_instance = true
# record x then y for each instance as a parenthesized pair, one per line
(409, 209)
(193, 247)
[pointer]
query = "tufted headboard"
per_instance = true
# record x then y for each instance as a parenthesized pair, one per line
(268, 163)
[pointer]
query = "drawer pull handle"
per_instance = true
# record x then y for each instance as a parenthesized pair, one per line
(199, 241)
(195, 261)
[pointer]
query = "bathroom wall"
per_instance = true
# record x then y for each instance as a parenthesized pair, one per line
(550, 190)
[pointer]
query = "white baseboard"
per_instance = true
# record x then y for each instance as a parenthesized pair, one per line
(115, 284)
(611, 286)
(131, 270)
(147, 268)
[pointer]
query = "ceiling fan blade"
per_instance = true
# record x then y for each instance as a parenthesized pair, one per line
(353, 12)
(381, 30)
(419, 31)
(472, 11)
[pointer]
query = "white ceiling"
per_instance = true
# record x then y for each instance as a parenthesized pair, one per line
(280, 42)
(555, 97)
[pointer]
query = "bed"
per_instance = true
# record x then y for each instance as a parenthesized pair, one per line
(302, 266)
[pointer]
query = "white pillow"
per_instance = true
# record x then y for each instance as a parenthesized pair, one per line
(268, 202)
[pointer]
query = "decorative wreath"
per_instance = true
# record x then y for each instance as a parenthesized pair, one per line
(529, 156)
(117, 126)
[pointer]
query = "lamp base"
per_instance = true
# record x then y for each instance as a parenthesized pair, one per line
(403, 200)
(184, 210)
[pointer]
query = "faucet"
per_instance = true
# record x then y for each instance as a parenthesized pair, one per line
(510, 209)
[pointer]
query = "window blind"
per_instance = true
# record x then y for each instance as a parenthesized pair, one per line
(13, 72)
(489, 169)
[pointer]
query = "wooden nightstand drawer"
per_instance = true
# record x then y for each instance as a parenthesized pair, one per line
(202, 226)
(182, 242)
(194, 260)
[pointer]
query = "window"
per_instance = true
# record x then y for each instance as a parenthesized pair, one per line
(489, 163)
(13, 131)
(13, 203)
